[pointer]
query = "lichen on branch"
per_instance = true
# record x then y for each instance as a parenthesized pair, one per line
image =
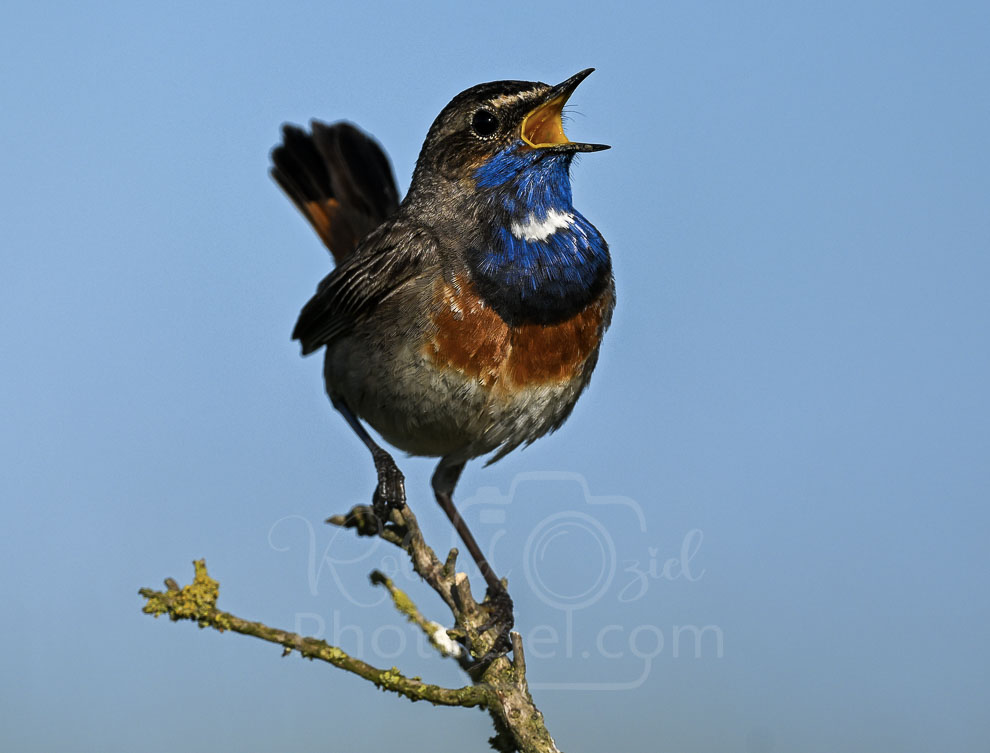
(498, 684)
(197, 602)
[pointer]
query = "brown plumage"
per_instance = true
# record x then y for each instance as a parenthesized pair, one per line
(339, 178)
(473, 339)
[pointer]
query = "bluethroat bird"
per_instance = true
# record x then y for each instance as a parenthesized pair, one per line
(466, 319)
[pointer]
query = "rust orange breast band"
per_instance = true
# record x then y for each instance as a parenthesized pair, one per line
(471, 338)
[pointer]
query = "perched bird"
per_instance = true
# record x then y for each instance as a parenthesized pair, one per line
(467, 319)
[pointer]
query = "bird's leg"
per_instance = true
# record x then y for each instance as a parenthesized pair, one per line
(390, 494)
(500, 603)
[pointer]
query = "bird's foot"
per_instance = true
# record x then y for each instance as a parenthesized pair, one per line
(390, 494)
(500, 619)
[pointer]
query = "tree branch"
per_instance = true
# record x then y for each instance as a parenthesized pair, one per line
(434, 631)
(498, 685)
(197, 601)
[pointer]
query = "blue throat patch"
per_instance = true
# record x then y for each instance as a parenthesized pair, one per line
(543, 261)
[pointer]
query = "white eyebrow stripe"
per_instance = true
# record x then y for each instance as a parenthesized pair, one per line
(539, 230)
(511, 99)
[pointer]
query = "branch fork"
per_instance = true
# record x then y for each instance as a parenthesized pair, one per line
(499, 685)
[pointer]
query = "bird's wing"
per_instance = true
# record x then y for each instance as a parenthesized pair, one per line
(385, 261)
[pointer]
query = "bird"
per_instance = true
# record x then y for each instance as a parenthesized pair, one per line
(466, 319)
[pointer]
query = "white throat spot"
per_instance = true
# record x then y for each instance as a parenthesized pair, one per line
(533, 229)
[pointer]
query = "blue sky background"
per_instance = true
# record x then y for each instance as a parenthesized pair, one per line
(794, 389)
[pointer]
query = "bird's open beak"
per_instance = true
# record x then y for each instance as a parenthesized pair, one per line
(542, 127)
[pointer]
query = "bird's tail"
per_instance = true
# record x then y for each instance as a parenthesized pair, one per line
(339, 178)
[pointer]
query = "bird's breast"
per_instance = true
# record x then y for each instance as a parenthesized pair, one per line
(468, 336)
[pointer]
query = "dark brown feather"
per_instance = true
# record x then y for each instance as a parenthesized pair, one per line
(388, 259)
(339, 178)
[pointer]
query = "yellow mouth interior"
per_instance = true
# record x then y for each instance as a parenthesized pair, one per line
(543, 127)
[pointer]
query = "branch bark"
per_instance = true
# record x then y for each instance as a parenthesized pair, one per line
(499, 686)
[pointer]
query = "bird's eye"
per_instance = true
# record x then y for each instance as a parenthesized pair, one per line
(484, 123)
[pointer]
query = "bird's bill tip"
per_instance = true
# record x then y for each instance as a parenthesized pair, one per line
(543, 127)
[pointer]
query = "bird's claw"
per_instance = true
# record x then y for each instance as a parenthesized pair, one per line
(501, 619)
(390, 494)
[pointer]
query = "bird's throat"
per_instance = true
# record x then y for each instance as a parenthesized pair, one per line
(540, 260)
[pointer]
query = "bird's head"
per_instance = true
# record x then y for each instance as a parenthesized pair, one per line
(491, 132)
